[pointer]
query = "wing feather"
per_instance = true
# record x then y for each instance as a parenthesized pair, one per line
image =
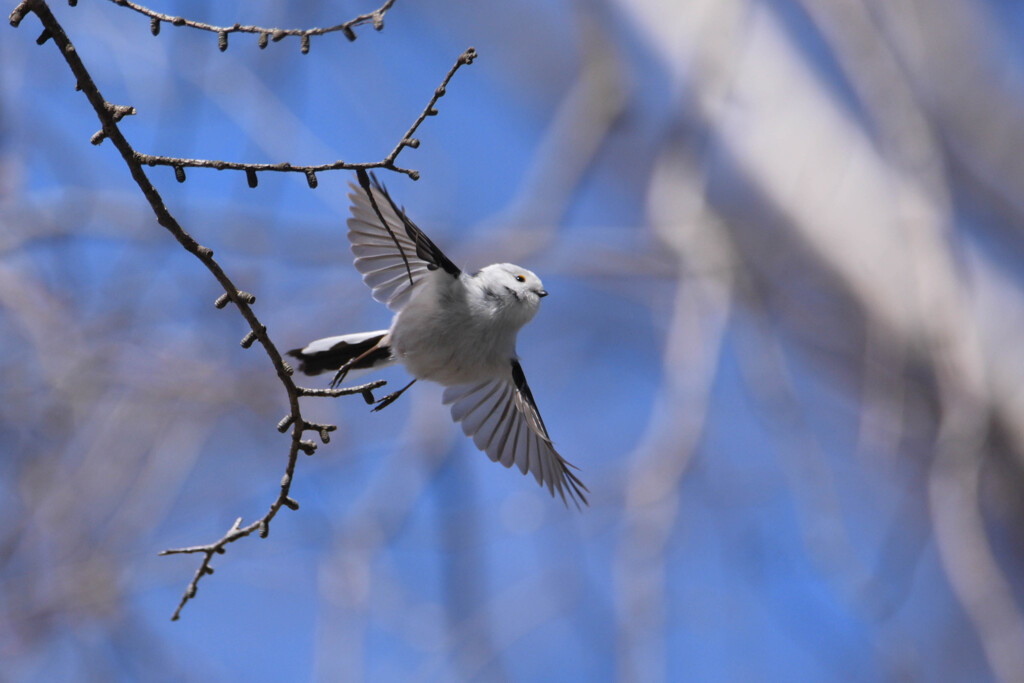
(505, 429)
(487, 402)
(519, 455)
(533, 465)
(502, 419)
(385, 275)
(468, 400)
(393, 256)
(488, 429)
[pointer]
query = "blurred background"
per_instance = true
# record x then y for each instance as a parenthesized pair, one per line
(784, 345)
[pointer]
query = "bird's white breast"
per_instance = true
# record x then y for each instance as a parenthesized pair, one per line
(448, 334)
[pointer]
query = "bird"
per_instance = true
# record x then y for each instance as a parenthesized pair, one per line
(451, 327)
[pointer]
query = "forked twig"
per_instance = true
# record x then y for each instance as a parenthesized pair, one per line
(388, 162)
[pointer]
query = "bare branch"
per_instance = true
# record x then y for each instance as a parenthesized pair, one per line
(408, 140)
(375, 17)
(109, 115)
(388, 162)
(364, 389)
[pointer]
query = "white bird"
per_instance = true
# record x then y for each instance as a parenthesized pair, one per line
(449, 327)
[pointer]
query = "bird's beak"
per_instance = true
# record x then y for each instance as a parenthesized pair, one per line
(542, 293)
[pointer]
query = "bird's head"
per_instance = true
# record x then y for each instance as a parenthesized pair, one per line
(516, 291)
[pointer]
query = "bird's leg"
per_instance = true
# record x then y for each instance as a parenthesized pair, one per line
(339, 376)
(392, 397)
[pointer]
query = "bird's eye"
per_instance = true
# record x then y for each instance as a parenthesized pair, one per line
(520, 278)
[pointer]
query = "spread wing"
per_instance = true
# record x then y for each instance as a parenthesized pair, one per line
(391, 262)
(502, 418)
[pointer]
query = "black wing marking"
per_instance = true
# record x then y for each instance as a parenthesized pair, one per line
(425, 248)
(519, 378)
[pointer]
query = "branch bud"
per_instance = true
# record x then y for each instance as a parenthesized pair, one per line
(19, 12)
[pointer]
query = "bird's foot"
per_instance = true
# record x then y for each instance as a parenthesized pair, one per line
(391, 398)
(339, 376)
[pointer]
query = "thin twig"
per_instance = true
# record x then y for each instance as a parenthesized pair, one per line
(375, 17)
(388, 162)
(408, 140)
(364, 389)
(283, 167)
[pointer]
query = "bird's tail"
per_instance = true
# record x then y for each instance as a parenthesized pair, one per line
(331, 353)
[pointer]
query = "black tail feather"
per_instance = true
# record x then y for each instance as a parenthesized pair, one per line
(341, 353)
